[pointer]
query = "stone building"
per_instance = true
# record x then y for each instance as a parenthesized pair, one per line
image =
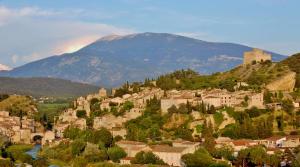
(172, 154)
(256, 55)
(102, 93)
(16, 129)
(132, 147)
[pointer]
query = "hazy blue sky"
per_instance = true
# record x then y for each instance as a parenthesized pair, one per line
(34, 29)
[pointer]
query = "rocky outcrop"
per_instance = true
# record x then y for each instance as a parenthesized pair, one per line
(284, 83)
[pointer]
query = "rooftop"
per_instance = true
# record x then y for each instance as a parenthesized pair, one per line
(166, 148)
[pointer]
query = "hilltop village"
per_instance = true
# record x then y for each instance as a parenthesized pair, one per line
(226, 125)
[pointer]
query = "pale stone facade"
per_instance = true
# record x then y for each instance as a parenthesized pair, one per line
(132, 147)
(118, 131)
(256, 55)
(291, 141)
(171, 155)
(102, 93)
(16, 129)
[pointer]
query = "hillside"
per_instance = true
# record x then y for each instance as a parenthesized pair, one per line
(294, 64)
(16, 104)
(113, 60)
(283, 75)
(44, 87)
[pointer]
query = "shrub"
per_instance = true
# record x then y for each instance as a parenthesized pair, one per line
(81, 113)
(116, 153)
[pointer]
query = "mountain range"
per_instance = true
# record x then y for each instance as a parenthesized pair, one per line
(112, 60)
(40, 87)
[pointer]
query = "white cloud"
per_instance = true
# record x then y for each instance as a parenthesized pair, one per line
(197, 35)
(14, 58)
(224, 58)
(31, 33)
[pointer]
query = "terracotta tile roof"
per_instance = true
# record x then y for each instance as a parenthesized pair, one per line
(242, 142)
(274, 138)
(165, 148)
(128, 158)
(130, 142)
(273, 149)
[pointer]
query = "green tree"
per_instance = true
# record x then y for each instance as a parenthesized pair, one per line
(198, 159)
(274, 159)
(209, 141)
(93, 154)
(116, 153)
(172, 109)
(288, 106)
(78, 147)
(81, 114)
(258, 155)
(223, 152)
(72, 133)
(6, 163)
(154, 132)
(184, 133)
(41, 162)
(220, 164)
(80, 162)
(128, 105)
(268, 97)
(147, 158)
(105, 136)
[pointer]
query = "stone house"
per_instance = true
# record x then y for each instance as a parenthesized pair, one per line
(118, 131)
(108, 121)
(256, 100)
(105, 105)
(272, 142)
(220, 98)
(48, 137)
(240, 144)
(132, 147)
(190, 146)
(126, 160)
(178, 98)
(16, 129)
(212, 100)
(102, 93)
(290, 141)
(170, 155)
(59, 129)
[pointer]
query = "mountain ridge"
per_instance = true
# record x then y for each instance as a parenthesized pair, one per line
(111, 61)
(40, 87)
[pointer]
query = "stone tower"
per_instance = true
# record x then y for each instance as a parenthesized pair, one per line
(256, 55)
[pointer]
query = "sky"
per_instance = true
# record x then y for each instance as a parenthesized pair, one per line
(34, 29)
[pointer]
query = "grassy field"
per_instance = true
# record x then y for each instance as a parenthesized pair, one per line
(50, 110)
